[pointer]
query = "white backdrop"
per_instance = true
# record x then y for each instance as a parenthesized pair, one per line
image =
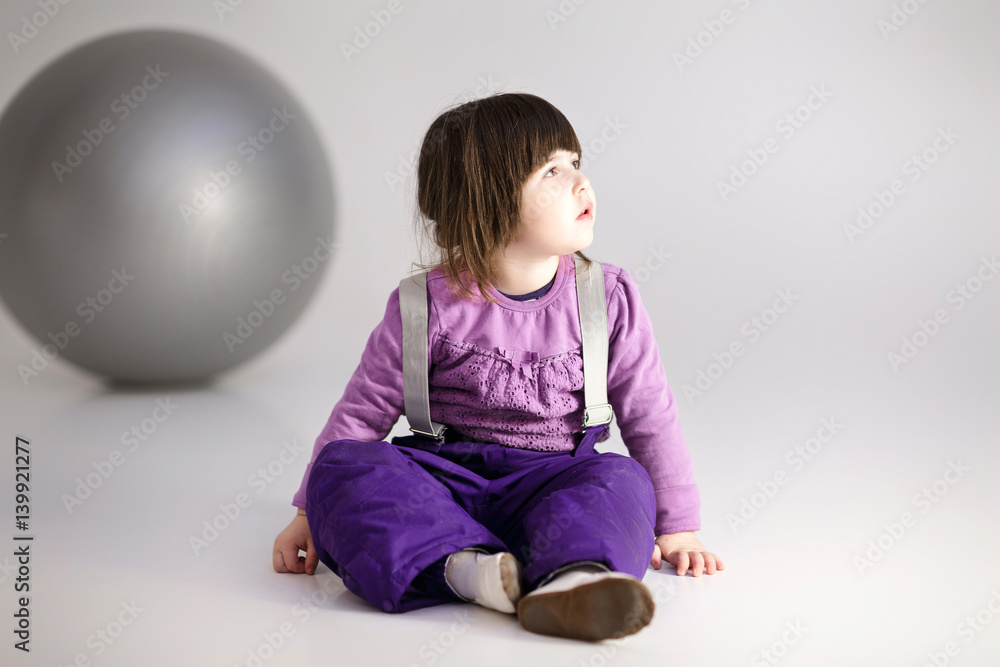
(734, 147)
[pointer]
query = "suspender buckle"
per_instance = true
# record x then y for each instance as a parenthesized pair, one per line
(426, 434)
(595, 415)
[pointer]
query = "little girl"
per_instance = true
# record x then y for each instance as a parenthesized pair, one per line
(509, 506)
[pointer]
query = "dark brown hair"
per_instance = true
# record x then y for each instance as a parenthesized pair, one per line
(474, 161)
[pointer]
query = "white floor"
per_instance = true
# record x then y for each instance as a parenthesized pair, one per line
(792, 592)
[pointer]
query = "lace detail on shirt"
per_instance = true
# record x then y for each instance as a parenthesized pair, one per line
(509, 397)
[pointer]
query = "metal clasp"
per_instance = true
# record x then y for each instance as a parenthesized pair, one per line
(436, 436)
(595, 415)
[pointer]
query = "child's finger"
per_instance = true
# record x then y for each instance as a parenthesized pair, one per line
(292, 560)
(713, 563)
(710, 563)
(312, 558)
(278, 561)
(697, 563)
(682, 562)
(657, 559)
(284, 562)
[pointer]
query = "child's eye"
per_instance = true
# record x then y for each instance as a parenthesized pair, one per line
(576, 163)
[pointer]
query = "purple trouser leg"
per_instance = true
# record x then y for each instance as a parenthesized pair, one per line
(384, 516)
(378, 518)
(597, 508)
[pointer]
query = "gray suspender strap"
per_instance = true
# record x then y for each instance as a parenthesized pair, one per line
(413, 309)
(594, 327)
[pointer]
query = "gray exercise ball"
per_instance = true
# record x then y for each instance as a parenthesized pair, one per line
(167, 205)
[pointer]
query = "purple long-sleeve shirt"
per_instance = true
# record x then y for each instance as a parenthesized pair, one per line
(512, 373)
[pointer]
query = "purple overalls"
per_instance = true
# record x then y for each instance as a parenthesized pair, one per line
(384, 516)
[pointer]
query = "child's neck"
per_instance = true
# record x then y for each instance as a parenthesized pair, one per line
(523, 276)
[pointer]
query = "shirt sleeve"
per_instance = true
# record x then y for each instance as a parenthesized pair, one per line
(373, 399)
(646, 412)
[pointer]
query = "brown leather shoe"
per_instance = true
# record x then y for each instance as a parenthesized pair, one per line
(587, 605)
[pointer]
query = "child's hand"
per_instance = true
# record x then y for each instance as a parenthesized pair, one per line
(285, 557)
(684, 549)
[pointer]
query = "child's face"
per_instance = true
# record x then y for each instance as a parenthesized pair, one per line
(552, 202)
